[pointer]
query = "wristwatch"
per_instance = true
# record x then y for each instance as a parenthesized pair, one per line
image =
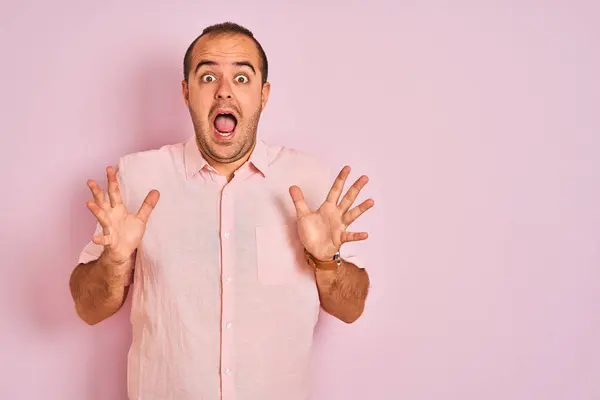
(329, 265)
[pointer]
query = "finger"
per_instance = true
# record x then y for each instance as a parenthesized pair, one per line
(99, 213)
(299, 202)
(114, 193)
(98, 193)
(148, 205)
(104, 240)
(338, 185)
(353, 236)
(352, 194)
(357, 211)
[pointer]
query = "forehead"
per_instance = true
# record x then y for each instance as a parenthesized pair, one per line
(225, 48)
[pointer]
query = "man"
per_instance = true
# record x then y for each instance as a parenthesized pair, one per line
(229, 268)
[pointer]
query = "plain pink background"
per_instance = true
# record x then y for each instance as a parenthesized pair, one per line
(477, 122)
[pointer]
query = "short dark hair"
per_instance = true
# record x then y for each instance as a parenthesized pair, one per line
(227, 28)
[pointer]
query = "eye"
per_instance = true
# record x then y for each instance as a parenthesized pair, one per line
(241, 79)
(208, 78)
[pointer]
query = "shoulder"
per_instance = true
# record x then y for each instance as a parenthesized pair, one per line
(313, 174)
(154, 161)
(296, 162)
(139, 172)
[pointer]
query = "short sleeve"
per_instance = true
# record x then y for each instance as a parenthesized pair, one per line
(92, 251)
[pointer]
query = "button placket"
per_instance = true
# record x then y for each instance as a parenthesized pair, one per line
(227, 301)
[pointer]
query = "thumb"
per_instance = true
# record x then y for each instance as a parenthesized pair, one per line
(299, 202)
(148, 205)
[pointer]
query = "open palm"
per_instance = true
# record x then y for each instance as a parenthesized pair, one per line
(122, 230)
(322, 232)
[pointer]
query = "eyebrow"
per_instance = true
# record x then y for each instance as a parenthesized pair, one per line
(202, 63)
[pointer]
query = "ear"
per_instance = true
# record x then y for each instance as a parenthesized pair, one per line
(266, 89)
(186, 92)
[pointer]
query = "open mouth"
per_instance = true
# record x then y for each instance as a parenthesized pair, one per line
(225, 124)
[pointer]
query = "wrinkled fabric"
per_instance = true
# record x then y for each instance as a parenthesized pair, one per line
(224, 304)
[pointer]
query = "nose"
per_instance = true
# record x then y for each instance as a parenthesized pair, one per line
(223, 91)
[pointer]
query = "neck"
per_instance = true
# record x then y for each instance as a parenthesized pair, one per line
(227, 169)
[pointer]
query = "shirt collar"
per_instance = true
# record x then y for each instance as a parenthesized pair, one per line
(195, 161)
(260, 157)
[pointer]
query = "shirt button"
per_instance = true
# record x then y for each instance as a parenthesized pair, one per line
(227, 279)
(227, 234)
(227, 371)
(228, 325)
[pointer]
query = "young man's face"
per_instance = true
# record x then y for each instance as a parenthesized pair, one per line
(225, 95)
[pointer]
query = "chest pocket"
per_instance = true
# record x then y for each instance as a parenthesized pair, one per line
(279, 253)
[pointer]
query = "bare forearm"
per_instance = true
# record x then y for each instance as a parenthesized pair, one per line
(99, 289)
(343, 292)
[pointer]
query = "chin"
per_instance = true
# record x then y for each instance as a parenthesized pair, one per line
(225, 151)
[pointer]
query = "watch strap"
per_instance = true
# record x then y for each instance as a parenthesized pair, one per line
(329, 265)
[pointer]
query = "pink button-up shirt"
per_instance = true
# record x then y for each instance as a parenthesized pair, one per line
(224, 304)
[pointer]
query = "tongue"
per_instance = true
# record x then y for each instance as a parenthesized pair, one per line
(225, 123)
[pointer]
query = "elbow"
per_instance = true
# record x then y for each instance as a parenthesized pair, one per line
(348, 320)
(351, 317)
(348, 315)
(87, 317)
(89, 321)
(92, 313)
(88, 307)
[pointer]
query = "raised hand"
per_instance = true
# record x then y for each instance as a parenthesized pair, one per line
(122, 230)
(322, 232)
